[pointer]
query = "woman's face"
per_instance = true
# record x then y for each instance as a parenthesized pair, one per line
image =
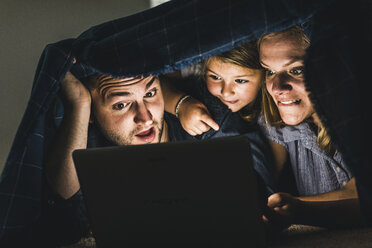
(283, 60)
(234, 85)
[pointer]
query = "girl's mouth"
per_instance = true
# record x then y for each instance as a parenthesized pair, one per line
(230, 102)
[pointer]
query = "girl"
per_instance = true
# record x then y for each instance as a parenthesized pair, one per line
(224, 100)
(233, 77)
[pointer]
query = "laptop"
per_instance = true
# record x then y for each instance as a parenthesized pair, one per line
(178, 194)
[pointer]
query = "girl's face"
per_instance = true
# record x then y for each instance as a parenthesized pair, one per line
(283, 60)
(234, 85)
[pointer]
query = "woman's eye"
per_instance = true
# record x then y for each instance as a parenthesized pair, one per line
(297, 71)
(269, 73)
(119, 106)
(151, 93)
(241, 81)
(214, 77)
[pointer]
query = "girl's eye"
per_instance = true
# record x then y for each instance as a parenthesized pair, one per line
(297, 71)
(214, 77)
(241, 81)
(119, 106)
(151, 93)
(269, 73)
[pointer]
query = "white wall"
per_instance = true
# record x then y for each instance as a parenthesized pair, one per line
(154, 3)
(26, 27)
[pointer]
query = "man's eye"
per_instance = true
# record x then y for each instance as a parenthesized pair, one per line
(214, 77)
(297, 71)
(241, 81)
(151, 93)
(119, 106)
(269, 73)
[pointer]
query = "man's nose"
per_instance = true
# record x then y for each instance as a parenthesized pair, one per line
(228, 89)
(143, 115)
(281, 83)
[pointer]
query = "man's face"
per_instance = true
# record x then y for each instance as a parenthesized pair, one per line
(283, 60)
(129, 111)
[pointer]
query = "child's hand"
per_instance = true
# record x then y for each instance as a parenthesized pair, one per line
(195, 118)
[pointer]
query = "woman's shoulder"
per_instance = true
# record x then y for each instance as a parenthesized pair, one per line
(273, 133)
(285, 134)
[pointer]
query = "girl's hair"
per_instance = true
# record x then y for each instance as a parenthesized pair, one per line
(244, 55)
(269, 108)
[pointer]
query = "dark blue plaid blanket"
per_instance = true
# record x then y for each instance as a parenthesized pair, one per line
(183, 32)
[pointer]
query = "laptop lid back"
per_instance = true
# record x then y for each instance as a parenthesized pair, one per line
(172, 194)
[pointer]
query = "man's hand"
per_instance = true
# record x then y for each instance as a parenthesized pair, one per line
(71, 135)
(195, 117)
(74, 93)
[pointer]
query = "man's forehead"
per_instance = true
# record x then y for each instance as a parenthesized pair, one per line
(104, 80)
(108, 83)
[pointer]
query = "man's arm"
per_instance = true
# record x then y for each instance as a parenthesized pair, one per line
(71, 135)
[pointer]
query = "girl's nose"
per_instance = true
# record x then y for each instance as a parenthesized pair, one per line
(227, 90)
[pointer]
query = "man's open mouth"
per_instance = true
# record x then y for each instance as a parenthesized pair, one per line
(147, 135)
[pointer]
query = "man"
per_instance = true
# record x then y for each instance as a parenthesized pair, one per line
(127, 111)
(123, 111)
(113, 111)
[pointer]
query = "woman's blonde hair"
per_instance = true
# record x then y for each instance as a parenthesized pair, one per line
(245, 55)
(269, 108)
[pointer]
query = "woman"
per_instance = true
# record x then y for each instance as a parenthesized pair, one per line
(326, 186)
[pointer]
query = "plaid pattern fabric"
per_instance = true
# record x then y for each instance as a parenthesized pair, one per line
(21, 179)
(159, 40)
(183, 32)
(337, 73)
